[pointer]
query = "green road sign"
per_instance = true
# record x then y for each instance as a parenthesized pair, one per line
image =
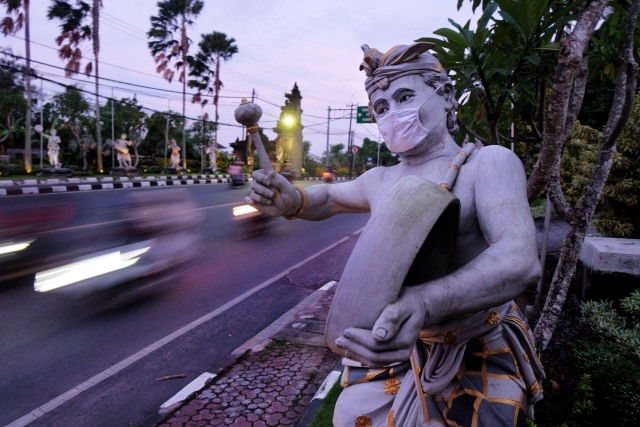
(363, 115)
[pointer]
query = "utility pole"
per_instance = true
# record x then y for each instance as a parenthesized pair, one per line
(349, 135)
(328, 121)
(166, 137)
(349, 153)
(113, 131)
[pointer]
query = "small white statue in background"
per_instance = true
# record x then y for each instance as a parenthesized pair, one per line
(53, 146)
(175, 154)
(211, 152)
(122, 147)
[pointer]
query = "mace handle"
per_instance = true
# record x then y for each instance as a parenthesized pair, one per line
(248, 114)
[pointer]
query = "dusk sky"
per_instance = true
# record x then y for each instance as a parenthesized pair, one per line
(314, 44)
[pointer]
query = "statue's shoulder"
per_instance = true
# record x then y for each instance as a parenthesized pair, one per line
(492, 155)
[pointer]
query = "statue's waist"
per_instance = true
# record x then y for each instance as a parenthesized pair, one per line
(466, 327)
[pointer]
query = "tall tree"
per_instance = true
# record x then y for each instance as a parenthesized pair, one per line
(173, 17)
(213, 47)
(558, 99)
(12, 101)
(17, 17)
(74, 31)
(566, 99)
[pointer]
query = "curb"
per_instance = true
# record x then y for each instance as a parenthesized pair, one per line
(48, 186)
(318, 399)
(61, 185)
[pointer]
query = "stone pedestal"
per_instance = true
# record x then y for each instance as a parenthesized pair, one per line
(208, 170)
(55, 172)
(608, 269)
(120, 171)
(173, 171)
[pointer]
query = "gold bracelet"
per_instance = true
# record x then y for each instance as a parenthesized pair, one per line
(305, 200)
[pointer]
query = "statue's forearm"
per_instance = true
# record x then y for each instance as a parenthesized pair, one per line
(494, 277)
(326, 200)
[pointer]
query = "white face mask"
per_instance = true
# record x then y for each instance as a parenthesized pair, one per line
(402, 129)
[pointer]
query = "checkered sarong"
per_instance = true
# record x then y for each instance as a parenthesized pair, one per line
(495, 381)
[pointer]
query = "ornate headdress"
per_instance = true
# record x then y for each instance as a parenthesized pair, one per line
(402, 60)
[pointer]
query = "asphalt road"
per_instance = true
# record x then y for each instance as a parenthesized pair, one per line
(62, 365)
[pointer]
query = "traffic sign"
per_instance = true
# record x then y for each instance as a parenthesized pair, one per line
(354, 149)
(363, 115)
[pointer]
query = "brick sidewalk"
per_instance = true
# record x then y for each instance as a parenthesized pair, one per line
(274, 381)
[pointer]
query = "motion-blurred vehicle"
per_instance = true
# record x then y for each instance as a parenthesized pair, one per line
(236, 174)
(126, 250)
(328, 175)
(289, 175)
(249, 221)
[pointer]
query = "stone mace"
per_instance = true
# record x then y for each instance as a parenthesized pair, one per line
(248, 114)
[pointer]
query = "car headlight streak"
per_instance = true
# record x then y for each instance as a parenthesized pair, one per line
(65, 275)
(11, 247)
(244, 210)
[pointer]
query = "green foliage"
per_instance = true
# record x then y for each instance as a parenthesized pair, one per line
(618, 214)
(583, 405)
(508, 59)
(612, 361)
(631, 306)
(607, 323)
(12, 104)
(615, 380)
(578, 160)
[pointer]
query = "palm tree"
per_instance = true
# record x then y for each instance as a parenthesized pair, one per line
(11, 25)
(173, 16)
(74, 32)
(213, 47)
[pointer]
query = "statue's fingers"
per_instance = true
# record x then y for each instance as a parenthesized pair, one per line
(257, 199)
(364, 337)
(370, 357)
(388, 323)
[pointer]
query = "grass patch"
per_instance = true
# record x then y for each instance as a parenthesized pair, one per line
(324, 416)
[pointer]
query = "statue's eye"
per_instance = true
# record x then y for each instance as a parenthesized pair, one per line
(382, 109)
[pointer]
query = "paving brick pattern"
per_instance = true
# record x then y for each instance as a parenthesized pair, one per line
(269, 386)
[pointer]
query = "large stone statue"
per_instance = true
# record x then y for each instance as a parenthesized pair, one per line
(122, 147)
(53, 146)
(175, 154)
(427, 325)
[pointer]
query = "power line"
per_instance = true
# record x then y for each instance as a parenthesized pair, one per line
(35, 76)
(110, 80)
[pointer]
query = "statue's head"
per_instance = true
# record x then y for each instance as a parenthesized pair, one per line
(54, 132)
(416, 67)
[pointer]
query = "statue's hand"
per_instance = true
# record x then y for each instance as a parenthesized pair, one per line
(393, 335)
(272, 194)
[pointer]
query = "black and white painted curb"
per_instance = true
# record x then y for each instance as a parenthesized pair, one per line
(60, 185)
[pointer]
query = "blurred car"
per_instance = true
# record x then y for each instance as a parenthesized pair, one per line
(236, 174)
(328, 175)
(124, 251)
(249, 221)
